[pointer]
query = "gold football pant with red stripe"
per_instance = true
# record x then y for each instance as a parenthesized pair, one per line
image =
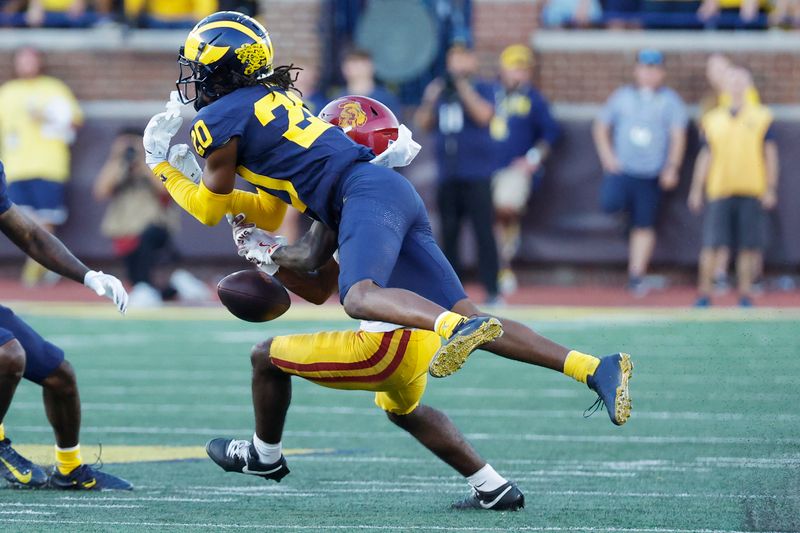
(393, 364)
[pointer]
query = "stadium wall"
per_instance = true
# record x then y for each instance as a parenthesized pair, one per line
(122, 78)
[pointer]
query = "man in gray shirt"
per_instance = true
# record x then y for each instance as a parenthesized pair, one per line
(641, 137)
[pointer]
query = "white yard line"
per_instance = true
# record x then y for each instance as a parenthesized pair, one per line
(369, 527)
(533, 437)
(686, 416)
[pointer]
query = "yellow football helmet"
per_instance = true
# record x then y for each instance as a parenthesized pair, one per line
(223, 52)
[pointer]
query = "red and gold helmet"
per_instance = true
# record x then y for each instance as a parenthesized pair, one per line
(365, 120)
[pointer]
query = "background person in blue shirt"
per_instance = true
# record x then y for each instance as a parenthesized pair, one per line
(524, 132)
(458, 108)
(641, 138)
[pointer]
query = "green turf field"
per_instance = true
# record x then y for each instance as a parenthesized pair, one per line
(713, 443)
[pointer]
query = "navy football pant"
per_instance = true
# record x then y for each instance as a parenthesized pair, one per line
(385, 236)
(41, 357)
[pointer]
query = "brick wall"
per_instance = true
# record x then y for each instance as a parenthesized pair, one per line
(592, 76)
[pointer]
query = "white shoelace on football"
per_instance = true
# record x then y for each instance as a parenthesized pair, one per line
(238, 448)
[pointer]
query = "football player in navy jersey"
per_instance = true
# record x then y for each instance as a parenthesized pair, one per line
(24, 353)
(252, 124)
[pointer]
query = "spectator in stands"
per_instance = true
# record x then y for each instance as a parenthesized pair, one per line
(641, 138)
(786, 14)
(732, 14)
(524, 131)
(458, 108)
(359, 75)
(168, 14)
(571, 13)
(737, 173)
(622, 14)
(38, 119)
(671, 14)
(59, 14)
(140, 221)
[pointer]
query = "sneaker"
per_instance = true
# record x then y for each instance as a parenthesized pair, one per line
(610, 382)
(241, 456)
(87, 478)
(467, 337)
(507, 282)
(190, 288)
(144, 296)
(18, 471)
(702, 301)
(507, 497)
(745, 301)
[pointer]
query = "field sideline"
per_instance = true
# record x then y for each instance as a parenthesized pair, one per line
(713, 444)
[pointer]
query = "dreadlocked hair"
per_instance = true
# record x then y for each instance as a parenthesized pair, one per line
(283, 77)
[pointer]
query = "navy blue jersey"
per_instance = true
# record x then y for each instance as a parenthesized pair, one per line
(5, 202)
(283, 149)
(522, 118)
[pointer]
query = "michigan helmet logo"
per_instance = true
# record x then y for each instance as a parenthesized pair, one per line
(253, 56)
(352, 115)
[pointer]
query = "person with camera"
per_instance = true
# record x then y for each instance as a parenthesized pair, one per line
(458, 108)
(140, 221)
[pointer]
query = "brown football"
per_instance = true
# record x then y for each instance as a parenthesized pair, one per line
(253, 296)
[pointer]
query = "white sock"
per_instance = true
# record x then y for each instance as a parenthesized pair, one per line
(267, 453)
(486, 479)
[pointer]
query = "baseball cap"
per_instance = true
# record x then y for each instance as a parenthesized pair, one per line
(516, 56)
(650, 56)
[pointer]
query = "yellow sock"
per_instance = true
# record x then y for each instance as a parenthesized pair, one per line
(579, 365)
(68, 459)
(2, 432)
(446, 323)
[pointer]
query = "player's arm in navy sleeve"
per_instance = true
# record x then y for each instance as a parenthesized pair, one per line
(311, 252)
(41, 245)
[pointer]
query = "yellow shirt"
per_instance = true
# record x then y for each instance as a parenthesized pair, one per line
(60, 6)
(737, 151)
(170, 10)
(35, 115)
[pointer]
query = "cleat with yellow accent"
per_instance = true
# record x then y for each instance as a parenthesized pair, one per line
(611, 383)
(87, 478)
(467, 337)
(18, 471)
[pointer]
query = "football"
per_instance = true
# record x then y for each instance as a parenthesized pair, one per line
(253, 296)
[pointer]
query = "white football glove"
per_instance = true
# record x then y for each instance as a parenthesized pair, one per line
(256, 245)
(108, 286)
(181, 157)
(400, 152)
(160, 130)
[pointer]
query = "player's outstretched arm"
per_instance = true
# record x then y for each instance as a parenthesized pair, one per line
(42, 246)
(50, 252)
(311, 252)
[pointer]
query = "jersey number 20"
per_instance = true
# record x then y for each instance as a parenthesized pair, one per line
(303, 129)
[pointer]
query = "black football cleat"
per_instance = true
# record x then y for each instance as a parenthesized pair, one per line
(241, 456)
(87, 478)
(506, 497)
(18, 471)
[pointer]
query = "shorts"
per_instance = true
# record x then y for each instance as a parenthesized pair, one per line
(41, 357)
(639, 197)
(43, 199)
(385, 236)
(511, 188)
(737, 221)
(393, 364)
